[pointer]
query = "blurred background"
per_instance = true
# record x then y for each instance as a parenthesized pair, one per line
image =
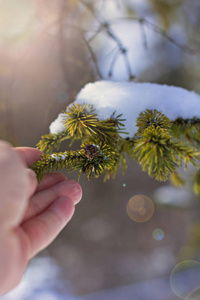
(48, 51)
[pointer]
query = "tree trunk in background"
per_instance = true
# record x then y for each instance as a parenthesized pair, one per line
(39, 81)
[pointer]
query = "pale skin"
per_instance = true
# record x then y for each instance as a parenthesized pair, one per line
(31, 214)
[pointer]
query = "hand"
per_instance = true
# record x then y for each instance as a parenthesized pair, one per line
(31, 215)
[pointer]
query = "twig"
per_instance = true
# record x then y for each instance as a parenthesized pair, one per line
(105, 26)
(91, 10)
(143, 34)
(95, 34)
(113, 63)
(156, 29)
(122, 49)
(93, 56)
(160, 31)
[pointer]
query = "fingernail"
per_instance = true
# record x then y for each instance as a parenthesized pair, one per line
(75, 192)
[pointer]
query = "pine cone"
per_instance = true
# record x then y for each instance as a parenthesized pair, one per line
(91, 151)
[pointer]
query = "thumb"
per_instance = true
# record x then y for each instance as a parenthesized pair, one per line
(14, 185)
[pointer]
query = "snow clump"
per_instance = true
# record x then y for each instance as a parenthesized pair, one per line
(57, 125)
(130, 99)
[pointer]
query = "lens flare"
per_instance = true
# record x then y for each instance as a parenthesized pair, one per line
(140, 208)
(185, 280)
(158, 234)
(17, 21)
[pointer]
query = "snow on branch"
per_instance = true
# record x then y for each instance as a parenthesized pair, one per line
(130, 99)
(156, 125)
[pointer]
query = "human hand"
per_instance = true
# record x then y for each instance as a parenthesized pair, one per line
(31, 215)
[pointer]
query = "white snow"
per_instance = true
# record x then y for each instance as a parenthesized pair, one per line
(42, 281)
(130, 98)
(57, 125)
(54, 156)
(173, 196)
(59, 156)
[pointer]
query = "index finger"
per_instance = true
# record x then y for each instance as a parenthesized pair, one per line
(29, 155)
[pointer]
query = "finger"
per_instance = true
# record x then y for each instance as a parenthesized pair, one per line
(28, 155)
(50, 180)
(32, 182)
(14, 186)
(43, 199)
(31, 155)
(43, 229)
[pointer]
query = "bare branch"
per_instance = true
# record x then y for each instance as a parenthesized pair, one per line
(95, 34)
(143, 34)
(110, 72)
(122, 49)
(156, 29)
(160, 31)
(105, 26)
(93, 56)
(90, 8)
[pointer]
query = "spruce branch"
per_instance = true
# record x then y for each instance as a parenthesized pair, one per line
(176, 179)
(152, 118)
(90, 159)
(156, 146)
(153, 153)
(160, 155)
(119, 157)
(51, 141)
(187, 129)
(196, 185)
(52, 162)
(184, 153)
(81, 121)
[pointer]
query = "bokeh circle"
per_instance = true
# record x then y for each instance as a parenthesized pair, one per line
(185, 280)
(140, 208)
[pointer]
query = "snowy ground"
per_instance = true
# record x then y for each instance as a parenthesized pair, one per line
(42, 282)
